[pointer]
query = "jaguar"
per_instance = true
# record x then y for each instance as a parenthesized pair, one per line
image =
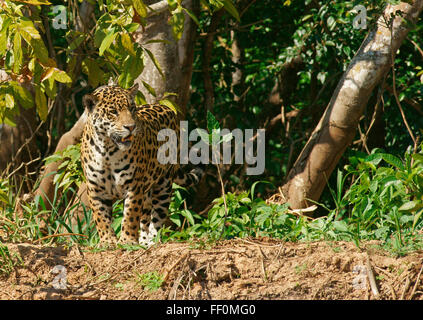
(119, 149)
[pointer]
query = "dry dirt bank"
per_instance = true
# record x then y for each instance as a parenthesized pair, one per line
(235, 269)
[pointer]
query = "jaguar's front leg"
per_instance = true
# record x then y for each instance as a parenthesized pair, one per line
(102, 213)
(132, 209)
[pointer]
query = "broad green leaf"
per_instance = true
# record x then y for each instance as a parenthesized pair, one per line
(62, 76)
(132, 27)
(3, 35)
(140, 7)
(411, 206)
(22, 95)
(373, 159)
(132, 68)
(107, 41)
(10, 101)
(27, 30)
(47, 74)
(212, 123)
(340, 226)
(149, 88)
(231, 9)
(175, 219)
(50, 88)
(41, 103)
(140, 99)
(177, 21)
(127, 43)
(17, 53)
(91, 68)
(187, 214)
(416, 218)
(36, 2)
(40, 50)
(204, 135)
(79, 38)
(156, 63)
(56, 74)
(172, 105)
(393, 160)
(192, 15)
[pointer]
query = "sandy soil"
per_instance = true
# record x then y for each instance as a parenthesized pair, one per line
(236, 269)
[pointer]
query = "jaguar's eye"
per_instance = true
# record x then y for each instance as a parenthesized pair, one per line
(114, 112)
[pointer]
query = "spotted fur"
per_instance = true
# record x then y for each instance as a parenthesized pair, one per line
(119, 157)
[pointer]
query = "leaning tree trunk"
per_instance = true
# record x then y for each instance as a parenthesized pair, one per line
(338, 125)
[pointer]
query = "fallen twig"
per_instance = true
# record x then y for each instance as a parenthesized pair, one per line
(406, 286)
(371, 277)
(417, 282)
(168, 271)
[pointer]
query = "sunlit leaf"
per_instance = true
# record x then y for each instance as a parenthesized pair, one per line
(36, 2)
(140, 7)
(41, 104)
(132, 68)
(229, 6)
(155, 61)
(22, 95)
(91, 68)
(107, 41)
(149, 88)
(127, 43)
(172, 105)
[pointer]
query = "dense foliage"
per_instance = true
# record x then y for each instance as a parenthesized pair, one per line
(288, 57)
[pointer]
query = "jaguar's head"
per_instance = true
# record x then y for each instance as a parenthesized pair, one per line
(111, 112)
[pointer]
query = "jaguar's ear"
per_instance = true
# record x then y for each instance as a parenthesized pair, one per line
(89, 101)
(133, 91)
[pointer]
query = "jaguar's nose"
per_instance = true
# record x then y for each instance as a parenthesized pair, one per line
(129, 127)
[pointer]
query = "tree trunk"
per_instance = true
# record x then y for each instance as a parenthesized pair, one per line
(175, 59)
(338, 125)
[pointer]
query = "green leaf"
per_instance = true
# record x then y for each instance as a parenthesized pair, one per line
(22, 95)
(212, 123)
(3, 35)
(79, 38)
(187, 214)
(62, 76)
(36, 2)
(140, 7)
(149, 88)
(254, 186)
(204, 136)
(416, 218)
(132, 68)
(50, 88)
(177, 21)
(56, 74)
(107, 41)
(91, 68)
(27, 29)
(229, 7)
(41, 103)
(40, 50)
(156, 63)
(17, 53)
(393, 160)
(172, 105)
(126, 42)
(192, 15)
(10, 101)
(411, 206)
